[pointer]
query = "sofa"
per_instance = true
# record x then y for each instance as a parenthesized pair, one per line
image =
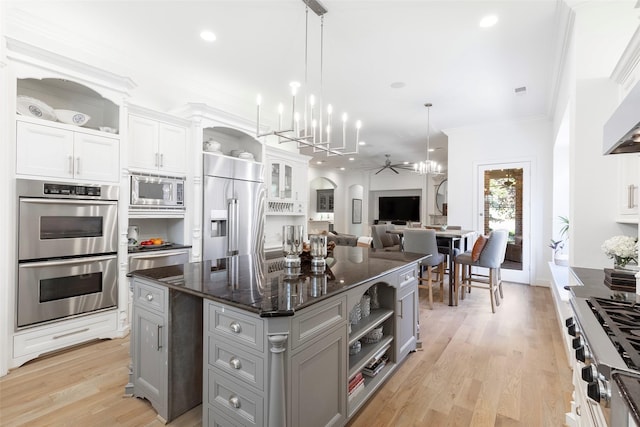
(383, 240)
(342, 239)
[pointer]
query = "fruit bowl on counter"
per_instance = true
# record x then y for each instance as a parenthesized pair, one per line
(153, 243)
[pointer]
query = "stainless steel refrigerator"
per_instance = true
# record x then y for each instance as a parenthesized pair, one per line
(233, 201)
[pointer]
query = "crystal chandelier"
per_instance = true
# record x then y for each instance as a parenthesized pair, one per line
(311, 127)
(427, 167)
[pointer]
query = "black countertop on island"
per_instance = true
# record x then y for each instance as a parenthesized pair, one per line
(250, 283)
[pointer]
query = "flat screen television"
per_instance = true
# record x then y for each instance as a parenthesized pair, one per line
(399, 208)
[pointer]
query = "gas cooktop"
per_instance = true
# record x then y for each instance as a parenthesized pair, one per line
(621, 322)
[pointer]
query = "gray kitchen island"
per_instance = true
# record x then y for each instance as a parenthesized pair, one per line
(260, 345)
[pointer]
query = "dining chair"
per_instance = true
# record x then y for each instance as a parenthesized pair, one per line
(443, 244)
(487, 252)
(424, 242)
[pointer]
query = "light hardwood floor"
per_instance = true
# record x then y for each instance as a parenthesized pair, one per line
(475, 369)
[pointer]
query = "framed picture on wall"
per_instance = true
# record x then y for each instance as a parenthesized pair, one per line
(356, 211)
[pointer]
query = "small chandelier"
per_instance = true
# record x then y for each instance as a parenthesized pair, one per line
(427, 167)
(311, 128)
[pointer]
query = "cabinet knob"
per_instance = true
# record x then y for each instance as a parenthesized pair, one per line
(235, 363)
(149, 297)
(407, 277)
(235, 327)
(234, 402)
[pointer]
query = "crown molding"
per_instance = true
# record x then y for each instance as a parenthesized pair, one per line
(25, 53)
(206, 114)
(623, 72)
(565, 20)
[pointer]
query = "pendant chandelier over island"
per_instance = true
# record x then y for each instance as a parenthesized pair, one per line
(313, 127)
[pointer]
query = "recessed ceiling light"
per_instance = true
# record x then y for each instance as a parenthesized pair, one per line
(319, 162)
(398, 85)
(343, 168)
(488, 21)
(208, 36)
(431, 150)
(405, 163)
(351, 159)
(362, 143)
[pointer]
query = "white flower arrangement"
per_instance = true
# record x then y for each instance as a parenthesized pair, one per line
(623, 248)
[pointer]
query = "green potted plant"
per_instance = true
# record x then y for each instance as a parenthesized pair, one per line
(560, 258)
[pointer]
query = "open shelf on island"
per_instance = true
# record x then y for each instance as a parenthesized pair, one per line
(359, 360)
(367, 324)
(371, 384)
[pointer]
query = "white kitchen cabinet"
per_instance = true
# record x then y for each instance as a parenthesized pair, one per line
(157, 146)
(287, 184)
(628, 180)
(286, 180)
(56, 152)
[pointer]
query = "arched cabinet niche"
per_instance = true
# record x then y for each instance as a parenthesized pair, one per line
(231, 142)
(321, 204)
(61, 94)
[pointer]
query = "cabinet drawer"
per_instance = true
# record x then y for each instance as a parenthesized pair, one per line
(234, 400)
(39, 340)
(149, 297)
(237, 326)
(311, 323)
(241, 365)
(215, 418)
(407, 275)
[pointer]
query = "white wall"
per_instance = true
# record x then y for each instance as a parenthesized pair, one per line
(528, 141)
(600, 33)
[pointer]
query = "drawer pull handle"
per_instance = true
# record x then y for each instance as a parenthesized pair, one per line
(159, 332)
(235, 363)
(57, 337)
(235, 327)
(407, 277)
(234, 402)
(149, 297)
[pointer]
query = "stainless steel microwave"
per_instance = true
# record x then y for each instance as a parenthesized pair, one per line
(157, 191)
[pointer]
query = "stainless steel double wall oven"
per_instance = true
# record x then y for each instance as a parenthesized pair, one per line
(67, 250)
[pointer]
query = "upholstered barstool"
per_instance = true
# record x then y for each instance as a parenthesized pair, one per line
(487, 252)
(424, 242)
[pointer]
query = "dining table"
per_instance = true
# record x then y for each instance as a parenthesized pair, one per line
(455, 238)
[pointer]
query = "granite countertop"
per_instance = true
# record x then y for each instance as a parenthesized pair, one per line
(250, 283)
(591, 284)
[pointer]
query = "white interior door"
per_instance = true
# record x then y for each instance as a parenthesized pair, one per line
(503, 201)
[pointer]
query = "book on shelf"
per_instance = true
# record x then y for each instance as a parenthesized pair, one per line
(356, 385)
(356, 390)
(355, 381)
(376, 357)
(372, 369)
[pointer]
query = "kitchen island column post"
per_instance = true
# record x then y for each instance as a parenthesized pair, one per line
(277, 395)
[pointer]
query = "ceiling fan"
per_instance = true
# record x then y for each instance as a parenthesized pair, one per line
(393, 167)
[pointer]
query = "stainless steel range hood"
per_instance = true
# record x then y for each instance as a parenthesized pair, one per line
(622, 130)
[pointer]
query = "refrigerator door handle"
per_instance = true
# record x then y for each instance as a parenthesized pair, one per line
(232, 241)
